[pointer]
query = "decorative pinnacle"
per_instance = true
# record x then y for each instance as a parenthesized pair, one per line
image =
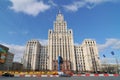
(59, 11)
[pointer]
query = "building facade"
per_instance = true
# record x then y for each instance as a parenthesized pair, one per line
(43, 58)
(6, 58)
(16, 66)
(87, 57)
(31, 56)
(61, 43)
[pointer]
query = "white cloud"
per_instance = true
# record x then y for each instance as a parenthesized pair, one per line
(25, 32)
(110, 43)
(75, 6)
(15, 32)
(30, 7)
(52, 3)
(108, 61)
(85, 3)
(17, 50)
(43, 41)
(11, 32)
(76, 44)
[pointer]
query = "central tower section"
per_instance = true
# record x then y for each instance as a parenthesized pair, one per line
(60, 43)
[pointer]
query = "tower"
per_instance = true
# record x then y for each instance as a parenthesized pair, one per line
(60, 43)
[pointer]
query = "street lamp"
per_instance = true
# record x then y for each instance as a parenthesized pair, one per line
(117, 71)
(105, 64)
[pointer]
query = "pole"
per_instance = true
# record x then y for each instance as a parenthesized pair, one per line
(105, 64)
(58, 63)
(117, 71)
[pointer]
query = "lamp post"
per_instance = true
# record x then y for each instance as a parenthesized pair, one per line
(117, 70)
(105, 65)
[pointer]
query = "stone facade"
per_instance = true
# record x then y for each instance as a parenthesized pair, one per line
(31, 55)
(60, 43)
(87, 58)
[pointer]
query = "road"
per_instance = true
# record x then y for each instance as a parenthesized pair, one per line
(61, 78)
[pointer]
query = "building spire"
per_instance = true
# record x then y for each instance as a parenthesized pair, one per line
(59, 11)
(59, 17)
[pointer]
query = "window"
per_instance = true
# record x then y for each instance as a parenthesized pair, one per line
(59, 23)
(50, 32)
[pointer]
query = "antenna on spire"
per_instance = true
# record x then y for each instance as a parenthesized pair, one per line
(59, 11)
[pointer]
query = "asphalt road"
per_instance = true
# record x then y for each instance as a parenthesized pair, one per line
(61, 78)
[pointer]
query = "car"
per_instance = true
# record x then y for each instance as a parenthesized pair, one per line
(7, 75)
(64, 75)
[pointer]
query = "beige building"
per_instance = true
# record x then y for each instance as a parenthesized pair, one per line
(87, 58)
(61, 43)
(43, 58)
(31, 55)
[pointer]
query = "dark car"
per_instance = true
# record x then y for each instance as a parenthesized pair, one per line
(64, 75)
(7, 75)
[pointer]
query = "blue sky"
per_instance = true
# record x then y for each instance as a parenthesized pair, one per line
(22, 20)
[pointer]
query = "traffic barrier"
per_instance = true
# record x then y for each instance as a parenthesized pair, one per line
(96, 75)
(34, 75)
(76, 75)
(116, 74)
(38, 75)
(22, 75)
(43, 75)
(16, 75)
(106, 75)
(87, 74)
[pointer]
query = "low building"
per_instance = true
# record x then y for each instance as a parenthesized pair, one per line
(110, 68)
(6, 58)
(16, 66)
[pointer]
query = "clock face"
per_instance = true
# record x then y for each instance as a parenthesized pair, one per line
(2, 57)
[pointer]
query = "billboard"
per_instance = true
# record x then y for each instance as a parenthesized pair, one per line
(3, 55)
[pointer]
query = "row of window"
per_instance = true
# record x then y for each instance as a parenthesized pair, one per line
(89, 42)
(64, 24)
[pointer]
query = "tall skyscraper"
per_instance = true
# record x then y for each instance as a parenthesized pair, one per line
(60, 43)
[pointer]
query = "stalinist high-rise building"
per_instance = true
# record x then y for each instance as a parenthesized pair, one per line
(61, 43)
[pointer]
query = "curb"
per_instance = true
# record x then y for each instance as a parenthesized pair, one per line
(96, 75)
(75, 75)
